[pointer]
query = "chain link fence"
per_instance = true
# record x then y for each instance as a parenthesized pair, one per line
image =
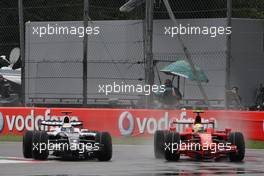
(109, 58)
(9, 28)
(116, 58)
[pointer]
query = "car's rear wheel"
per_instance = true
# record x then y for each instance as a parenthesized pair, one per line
(105, 152)
(40, 145)
(159, 143)
(237, 138)
(172, 142)
(27, 144)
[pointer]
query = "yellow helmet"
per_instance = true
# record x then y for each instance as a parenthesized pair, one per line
(198, 127)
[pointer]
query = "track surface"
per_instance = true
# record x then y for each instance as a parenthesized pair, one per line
(127, 160)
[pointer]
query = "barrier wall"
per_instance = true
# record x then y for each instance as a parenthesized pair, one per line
(129, 122)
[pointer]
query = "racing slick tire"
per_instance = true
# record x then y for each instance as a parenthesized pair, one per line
(27, 144)
(237, 138)
(40, 139)
(159, 143)
(105, 153)
(172, 139)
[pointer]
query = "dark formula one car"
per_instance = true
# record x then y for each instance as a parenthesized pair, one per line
(68, 140)
(201, 141)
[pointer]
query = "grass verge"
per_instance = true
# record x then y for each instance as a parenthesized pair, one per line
(133, 141)
(255, 144)
(11, 138)
(120, 140)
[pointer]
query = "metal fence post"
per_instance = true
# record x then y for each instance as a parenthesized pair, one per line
(228, 51)
(85, 52)
(148, 41)
(22, 48)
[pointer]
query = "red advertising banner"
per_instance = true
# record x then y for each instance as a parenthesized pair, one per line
(129, 122)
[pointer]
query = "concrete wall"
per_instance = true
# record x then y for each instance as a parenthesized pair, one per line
(54, 63)
(247, 63)
(206, 52)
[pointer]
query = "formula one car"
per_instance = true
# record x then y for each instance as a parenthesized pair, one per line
(67, 139)
(202, 141)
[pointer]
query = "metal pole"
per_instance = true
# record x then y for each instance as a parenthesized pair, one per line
(148, 44)
(22, 48)
(85, 52)
(228, 51)
(178, 82)
(187, 54)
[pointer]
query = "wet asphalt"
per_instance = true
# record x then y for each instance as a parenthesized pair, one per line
(131, 160)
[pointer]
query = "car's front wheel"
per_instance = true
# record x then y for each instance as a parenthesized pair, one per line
(105, 152)
(237, 139)
(40, 145)
(159, 143)
(172, 143)
(27, 144)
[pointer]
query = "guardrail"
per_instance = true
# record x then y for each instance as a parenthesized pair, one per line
(218, 103)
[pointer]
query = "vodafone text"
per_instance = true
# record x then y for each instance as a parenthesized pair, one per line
(30, 121)
(150, 124)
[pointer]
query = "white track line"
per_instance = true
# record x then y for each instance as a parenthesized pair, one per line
(7, 160)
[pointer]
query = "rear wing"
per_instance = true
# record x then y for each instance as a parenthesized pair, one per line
(60, 123)
(76, 123)
(51, 123)
(180, 122)
(177, 122)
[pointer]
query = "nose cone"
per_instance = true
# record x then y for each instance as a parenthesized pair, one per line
(206, 139)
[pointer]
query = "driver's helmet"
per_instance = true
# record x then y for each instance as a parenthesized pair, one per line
(198, 128)
(67, 128)
(66, 119)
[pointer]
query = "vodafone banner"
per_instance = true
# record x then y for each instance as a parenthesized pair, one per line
(128, 122)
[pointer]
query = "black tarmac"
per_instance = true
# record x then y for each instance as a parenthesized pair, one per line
(131, 160)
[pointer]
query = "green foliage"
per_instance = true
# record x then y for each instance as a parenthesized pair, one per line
(248, 9)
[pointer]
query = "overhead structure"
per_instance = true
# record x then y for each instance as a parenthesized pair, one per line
(131, 5)
(186, 52)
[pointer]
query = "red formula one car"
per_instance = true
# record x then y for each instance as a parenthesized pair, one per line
(199, 140)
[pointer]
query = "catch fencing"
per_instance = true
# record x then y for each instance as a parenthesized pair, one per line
(114, 58)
